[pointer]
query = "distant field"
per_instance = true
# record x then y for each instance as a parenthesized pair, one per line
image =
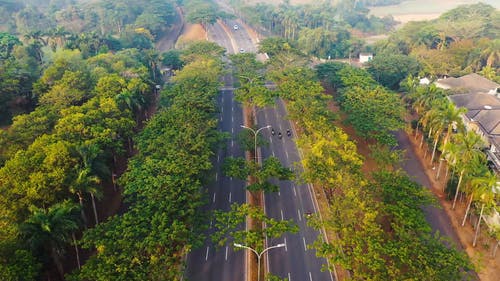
(411, 10)
(414, 10)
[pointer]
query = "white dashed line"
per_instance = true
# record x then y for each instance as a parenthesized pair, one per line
(232, 130)
(305, 246)
(286, 152)
(298, 213)
(226, 257)
(216, 176)
(286, 250)
(229, 197)
(206, 255)
(282, 217)
(289, 278)
(310, 276)
(273, 154)
(213, 199)
(294, 191)
(279, 193)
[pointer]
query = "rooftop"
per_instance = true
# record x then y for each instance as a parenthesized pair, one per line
(472, 82)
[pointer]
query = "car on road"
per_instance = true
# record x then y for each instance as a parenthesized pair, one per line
(242, 50)
(236, 27)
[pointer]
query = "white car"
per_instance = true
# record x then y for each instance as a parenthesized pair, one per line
(236, 27)
(242, 50)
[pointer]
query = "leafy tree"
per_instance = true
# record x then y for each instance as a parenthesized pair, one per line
(390, 69)
(374, 113)
(271, 168)
(228, 225)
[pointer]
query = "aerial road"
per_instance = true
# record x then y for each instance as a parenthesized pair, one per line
(295, 261)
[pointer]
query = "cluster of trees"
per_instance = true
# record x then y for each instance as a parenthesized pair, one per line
(460, 41)
(440, 126)
(373, 110)
(56, 158)
(379, 230)
(322, 29)
(163, 184)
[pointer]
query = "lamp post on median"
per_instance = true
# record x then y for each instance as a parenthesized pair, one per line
(259, 254)
(255, 133)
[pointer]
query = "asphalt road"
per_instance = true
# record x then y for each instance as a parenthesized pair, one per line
(211, 262)
(295, 261)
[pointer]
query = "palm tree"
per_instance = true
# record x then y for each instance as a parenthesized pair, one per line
(48, 232)
(450, 116)
(85, 182)
(487, 200)
(468, 144)
(480, 185)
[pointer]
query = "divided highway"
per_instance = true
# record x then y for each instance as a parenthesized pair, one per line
(296, 261)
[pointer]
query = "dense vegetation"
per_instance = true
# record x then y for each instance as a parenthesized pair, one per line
(460, 41)
(163, 184)
(77, 78)
(379, 231)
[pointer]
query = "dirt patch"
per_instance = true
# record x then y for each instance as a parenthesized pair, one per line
(191, 33)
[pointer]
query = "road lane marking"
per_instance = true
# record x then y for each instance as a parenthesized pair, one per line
(305, 246)
(273, 154)
(286, 248)
(279, 193)
(232, 108)
(229, 197)
(232, 143)
(226, 257)
(286, 152)
(281, 214)
(222, 109)
(310, 276)
(216, 176)
(206, 255)
(298, 213)
(213, 199)
(218, 157)
(289, 278)
(211, 223)
(221, 118)
(294, 191)
(271, 140)
(232, 119)
(232, 130)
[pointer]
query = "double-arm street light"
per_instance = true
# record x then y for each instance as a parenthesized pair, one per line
(255, 133)
(259, 255)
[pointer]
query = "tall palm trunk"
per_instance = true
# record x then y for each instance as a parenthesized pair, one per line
(445, 141)
(468, 208)
(434, 148)
(76, 251)
(57, 262)
(478, 225)
(458, 188)
(82, 212)
(95, 209)
(495, 250)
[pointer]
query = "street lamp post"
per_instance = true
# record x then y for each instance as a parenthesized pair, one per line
(259, 255)
(255, 133)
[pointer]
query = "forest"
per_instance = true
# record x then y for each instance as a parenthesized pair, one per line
(84, 125)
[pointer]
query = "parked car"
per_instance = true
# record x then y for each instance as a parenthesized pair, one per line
(236, 27)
